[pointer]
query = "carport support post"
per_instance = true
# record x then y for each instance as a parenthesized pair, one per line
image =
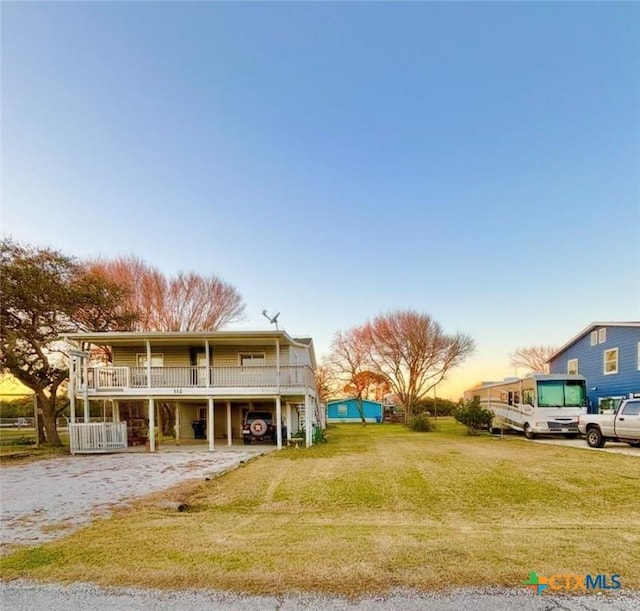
(279, 422)
(210, 424)
(288, 422)
(308, 421)
(229, 429)
(152, 425)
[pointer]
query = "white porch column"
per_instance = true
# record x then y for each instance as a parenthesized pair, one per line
(279, 422)
(308, 421)
(288, 421)
(115, 410)
(152, 425)
(85, 368)
(210, 425)
(278, 367)
(229, 430)
(72, 387)
(148, 364)
(207, 357)
(177, 424)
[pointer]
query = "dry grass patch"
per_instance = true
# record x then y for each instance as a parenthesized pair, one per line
(377, 507)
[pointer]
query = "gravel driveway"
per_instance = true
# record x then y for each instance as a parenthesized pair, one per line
(25, 596)
(48, 499)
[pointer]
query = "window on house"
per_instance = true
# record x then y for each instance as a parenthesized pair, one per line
(602, 335)
(594, 338)
(254, 359)
(608, 404)
(342, 409)
(572, 367)
(157, 360)
(611, 361)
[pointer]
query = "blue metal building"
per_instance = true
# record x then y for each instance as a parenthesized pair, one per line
(607, 354)
(346, 410)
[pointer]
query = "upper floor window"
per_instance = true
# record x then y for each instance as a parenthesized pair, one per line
(157, 360)
(602, 335)
(611, 361)
(594, 338)
(253, 359)
(572, 367)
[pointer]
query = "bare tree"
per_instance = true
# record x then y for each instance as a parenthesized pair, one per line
(186, 302)
(413, 353)
(348, 361)
(533, 358)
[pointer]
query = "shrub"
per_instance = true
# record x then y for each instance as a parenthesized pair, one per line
(473, 416)
(421, 423)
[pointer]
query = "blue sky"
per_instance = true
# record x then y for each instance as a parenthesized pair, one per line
(479, 162)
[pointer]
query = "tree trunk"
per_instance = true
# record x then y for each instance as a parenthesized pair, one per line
(361, 411)
(46, 407)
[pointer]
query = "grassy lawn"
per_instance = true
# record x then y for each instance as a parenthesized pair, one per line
(375, 508)
(19, 444)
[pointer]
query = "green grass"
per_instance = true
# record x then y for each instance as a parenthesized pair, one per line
(19, 443)
(377, 507)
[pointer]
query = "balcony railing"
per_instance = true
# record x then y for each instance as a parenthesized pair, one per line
(96, 437)
(121, 378)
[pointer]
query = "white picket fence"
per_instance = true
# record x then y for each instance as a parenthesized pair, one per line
(97, 437)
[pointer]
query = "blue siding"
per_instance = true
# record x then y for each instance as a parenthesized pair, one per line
(335, 411)
(591, 363)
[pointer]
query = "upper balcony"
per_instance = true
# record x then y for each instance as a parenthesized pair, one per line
(195, 381)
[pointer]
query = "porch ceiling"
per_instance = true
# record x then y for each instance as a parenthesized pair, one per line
(192, 338)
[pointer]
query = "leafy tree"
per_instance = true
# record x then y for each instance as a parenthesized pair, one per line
(46, 294)
(473, 416)
(533, 358)
(413, 353)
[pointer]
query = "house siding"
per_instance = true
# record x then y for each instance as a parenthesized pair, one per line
(372, 411)
(591, 363)
(180, 356)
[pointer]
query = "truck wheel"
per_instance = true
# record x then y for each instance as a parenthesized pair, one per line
(634, 444)
(595, 438)
(528, 433)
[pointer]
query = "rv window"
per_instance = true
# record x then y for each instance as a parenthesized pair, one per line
(516, 397)
(510, 401)
(528, 396)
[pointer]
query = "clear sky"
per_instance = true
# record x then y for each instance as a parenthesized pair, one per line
(479, 162)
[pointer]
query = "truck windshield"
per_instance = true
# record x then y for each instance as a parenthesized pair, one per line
(562, 393)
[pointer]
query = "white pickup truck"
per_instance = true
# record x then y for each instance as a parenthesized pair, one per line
(623, 425)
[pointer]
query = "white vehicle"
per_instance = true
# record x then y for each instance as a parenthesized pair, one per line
(623, 425)
(547, 404)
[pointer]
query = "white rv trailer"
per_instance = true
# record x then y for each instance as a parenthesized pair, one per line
(537, 404)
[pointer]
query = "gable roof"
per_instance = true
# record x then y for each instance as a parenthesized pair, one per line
(588, 330)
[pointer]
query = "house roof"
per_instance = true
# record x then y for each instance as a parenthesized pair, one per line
(343, 400)
(591, 327)
(237, 338)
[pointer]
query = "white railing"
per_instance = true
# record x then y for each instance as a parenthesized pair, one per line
(95, 437)
(110, 378)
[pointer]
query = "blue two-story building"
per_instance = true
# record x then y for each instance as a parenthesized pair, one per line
(607, 354)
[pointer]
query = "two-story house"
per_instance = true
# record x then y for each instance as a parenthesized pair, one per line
(205, 383)
(607, 354)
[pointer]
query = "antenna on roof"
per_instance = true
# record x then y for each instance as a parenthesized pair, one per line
(272, 319)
